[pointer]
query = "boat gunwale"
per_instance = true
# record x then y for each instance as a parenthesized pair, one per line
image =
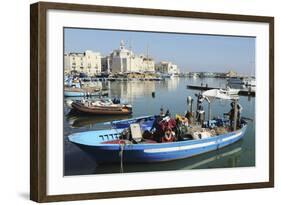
(131, 120)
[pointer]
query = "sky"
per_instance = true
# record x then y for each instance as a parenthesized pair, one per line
(191, 52)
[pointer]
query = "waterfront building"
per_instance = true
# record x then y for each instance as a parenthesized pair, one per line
(206, 74)
(166, 67)
(231, 74)
(123, 60)
(88, 62)
(106, 62)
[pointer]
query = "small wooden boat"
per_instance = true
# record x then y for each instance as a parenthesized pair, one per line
(100, 107)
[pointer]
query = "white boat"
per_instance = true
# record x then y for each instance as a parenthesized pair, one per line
(250, 82)
(230, 91)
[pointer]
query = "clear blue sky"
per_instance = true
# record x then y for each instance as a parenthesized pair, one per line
(190, 52)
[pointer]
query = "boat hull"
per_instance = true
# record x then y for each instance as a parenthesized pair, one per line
(83, 94)
(73, 94)
(100, 110)
(150, 152)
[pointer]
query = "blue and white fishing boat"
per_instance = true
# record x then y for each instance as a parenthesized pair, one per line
(73, 88)
(166, 140)
(79, 92)
(68, 93)
(105, 146)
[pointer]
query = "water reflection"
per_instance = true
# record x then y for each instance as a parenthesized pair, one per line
(224, 158)
(136, 89)
(76, 120)
(169, 84)
(131, 90)
(79, 163)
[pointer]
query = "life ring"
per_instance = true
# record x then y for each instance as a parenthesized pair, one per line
(168, 136)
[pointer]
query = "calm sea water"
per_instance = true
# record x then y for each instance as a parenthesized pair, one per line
(170, 94)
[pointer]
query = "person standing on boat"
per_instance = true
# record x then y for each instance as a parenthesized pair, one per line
(231, 113)
(239, 110)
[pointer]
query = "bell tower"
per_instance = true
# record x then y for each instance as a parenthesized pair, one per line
(122, 45)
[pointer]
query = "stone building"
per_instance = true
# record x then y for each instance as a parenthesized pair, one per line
(88, 62)
(231, 73)
(123, 60)
(166, 67)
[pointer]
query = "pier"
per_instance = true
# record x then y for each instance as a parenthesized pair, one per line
(244, 92)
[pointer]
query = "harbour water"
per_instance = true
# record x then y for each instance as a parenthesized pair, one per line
(170, 94)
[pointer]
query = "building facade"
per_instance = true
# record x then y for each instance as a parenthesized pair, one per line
(106, 62)
(231, 74)
(123, 60)
(88, 62)
(166, 68)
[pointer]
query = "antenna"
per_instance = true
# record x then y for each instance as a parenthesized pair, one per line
(130, 44)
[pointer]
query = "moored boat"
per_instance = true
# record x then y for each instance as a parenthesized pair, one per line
(100, 107)
(230, 91)
(105, 146)
(74, 92)
(250, 82)
(80, 92)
